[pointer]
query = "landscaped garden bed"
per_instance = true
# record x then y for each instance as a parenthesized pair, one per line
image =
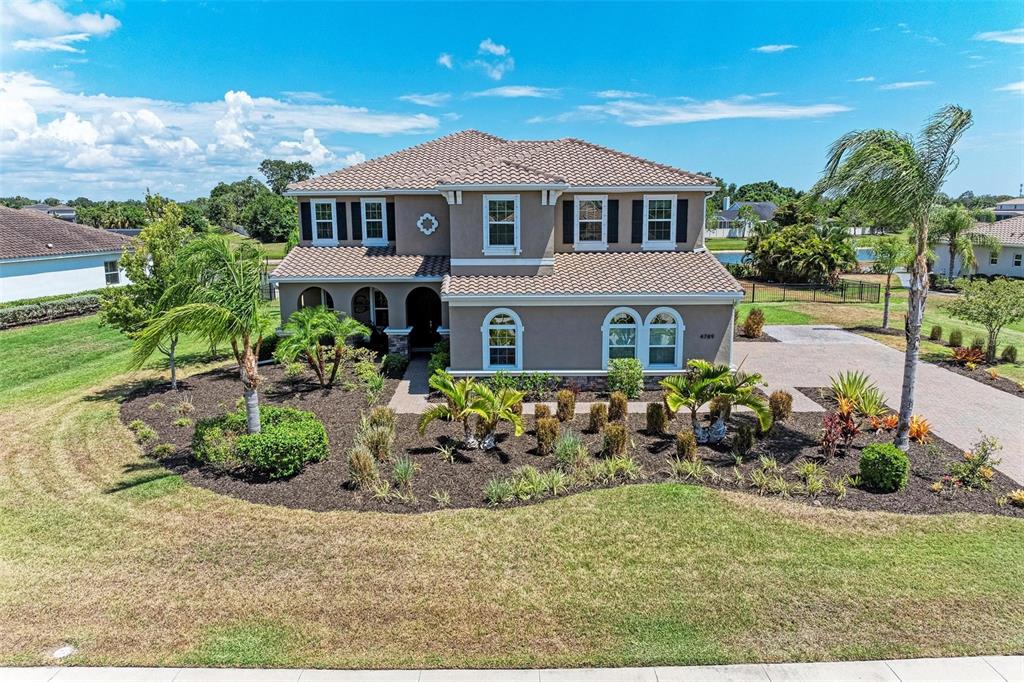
(983, 375)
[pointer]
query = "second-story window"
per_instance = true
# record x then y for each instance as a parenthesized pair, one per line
(659, 216)
(501, 224)
(323, 222)
(591, 222)
(375, 220)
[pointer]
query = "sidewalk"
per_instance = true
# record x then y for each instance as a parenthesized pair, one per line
(975, 669)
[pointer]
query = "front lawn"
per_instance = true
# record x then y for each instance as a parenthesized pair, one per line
(726, 244)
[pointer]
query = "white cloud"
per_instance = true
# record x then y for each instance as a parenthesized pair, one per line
(1017, 87)
(41, 25)
(304, 96)
(618, 94)
(488, 46)
(308, 149)
(353, 158)
(864, 79)
(497, 59)
(771, 49)
(905, 85)
(635, 114)
(444, 59)
(1014, 36)
(433, 99)
(512, 91)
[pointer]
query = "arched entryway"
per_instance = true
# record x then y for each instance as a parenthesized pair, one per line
(314, 296)
(423, 315)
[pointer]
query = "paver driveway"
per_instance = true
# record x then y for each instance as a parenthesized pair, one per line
(959, 409)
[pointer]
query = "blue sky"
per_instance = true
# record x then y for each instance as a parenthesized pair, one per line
(105, 99)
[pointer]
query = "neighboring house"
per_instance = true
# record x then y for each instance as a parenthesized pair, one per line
(530, 255)
(42, 256)
(1011, 208)
(1007, 261)
(60, 211)
(728, 222)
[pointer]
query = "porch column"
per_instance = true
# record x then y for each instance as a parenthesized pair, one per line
(398, 340)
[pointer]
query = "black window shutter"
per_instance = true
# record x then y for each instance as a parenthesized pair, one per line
(391, 221)
(568, 229)
(339, 213)
(613, 221)
(638, 221)
(682, 219)
(357, 222)
(306, 220)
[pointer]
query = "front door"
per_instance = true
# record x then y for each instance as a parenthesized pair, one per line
(423, 314)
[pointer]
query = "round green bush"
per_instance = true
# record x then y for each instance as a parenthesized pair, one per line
(884, 467)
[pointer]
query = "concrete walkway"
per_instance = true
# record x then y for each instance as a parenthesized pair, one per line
(959, 409)
(411, 395)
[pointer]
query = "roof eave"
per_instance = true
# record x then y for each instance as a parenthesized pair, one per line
(577, 299)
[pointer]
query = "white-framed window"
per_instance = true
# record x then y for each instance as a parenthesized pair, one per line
(502, 333)
(375, 221)
(314, 296)
(664, 332)
(993, 258)
(370, 306)
(501, 224)
(621, 332)
(591, 222)
(111, 272)
(1017, 259)
(324, 223)
(659, 221)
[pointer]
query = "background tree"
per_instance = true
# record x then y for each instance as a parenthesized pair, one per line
(953, 224)
(152, 268)
(228, 200)
(901, 177)
(891, 251)
(766, 190)
(801, 253)
(279, 173)
(748, 215)
(192, 217)
(270, 218)
(793, 213)
(222, 288)
(992, 304)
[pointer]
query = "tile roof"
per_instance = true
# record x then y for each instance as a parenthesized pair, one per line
(473, 157)
(357, 262)
(632, 272)
(1009, 232)
(32, 233)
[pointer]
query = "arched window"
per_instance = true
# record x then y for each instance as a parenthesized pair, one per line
(620, 329)
(502, 340)
(314, 296)
(664, 338)
(370, 306)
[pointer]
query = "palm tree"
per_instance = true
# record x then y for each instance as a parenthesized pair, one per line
(891, 251)
(318, 334)
(461, 404)
(738, 388)
(953, 225)
(694, 390)
(223, 293)
(900, 178)
(496, 407)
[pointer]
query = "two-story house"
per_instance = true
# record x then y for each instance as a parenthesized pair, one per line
(555, 256)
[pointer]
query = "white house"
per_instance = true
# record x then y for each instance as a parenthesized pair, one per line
(1011, 208)
(41, 255)
(1008, 261)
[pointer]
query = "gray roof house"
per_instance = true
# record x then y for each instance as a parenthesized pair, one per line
(731, 211)
(528, 255)
(1010, 208)
(1007, 261)
(61, 211)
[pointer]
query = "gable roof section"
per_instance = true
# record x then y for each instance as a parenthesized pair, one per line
(1009, 232)
(34, 234)
(475, 158)
(764, 209)
(357, 263)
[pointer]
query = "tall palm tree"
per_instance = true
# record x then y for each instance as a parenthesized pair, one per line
(900, 177)
(318, 335)
(222, 287)
(953, 224)
(462, 403)
(891, 251)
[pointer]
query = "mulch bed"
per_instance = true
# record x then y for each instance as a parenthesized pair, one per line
(980, 374)
(323, 485)
(764, 338)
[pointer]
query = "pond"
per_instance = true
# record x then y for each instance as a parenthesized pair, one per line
(864, 254)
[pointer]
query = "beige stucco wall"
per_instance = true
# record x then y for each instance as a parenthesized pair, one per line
(695, 224)
(570, 337)
(467, 231)
(408, 238)
(342, 293)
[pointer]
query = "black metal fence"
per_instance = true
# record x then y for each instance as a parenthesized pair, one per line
(847, 291)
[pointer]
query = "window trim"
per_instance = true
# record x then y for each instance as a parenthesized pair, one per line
(116, 273)
(590, 245)
(502, 250)
(680, 327)
(606, 328)
(1018, 260)
(383, 239)
(317, 241)
(659, 244)
(485, 338)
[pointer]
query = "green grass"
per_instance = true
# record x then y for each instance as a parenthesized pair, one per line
(248, 645)
(726, 244)
(274, 250)
(776, 313)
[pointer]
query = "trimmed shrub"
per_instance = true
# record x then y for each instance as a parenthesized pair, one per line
(362, 467)
(618, 406)
(626, 375)
(657, 420)
(936, 332)
(1009, 354)
(440, 357)
(541, 411)
(781, 404)
(598, 417)
(566, 401)
(547, 434)
(743, 440)
(289, 438)
(44, 311)
(753, 326)
(686, 445)
(956, 338)
(393, 365)
(884, 467)
(615, 440)
(978, 343)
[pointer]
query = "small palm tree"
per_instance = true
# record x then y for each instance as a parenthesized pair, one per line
(738, 388)
(953, 225)
(222, 287)
(318, 334)
(891, 251)
(496, 407)
(461, 404)
(694, 389)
